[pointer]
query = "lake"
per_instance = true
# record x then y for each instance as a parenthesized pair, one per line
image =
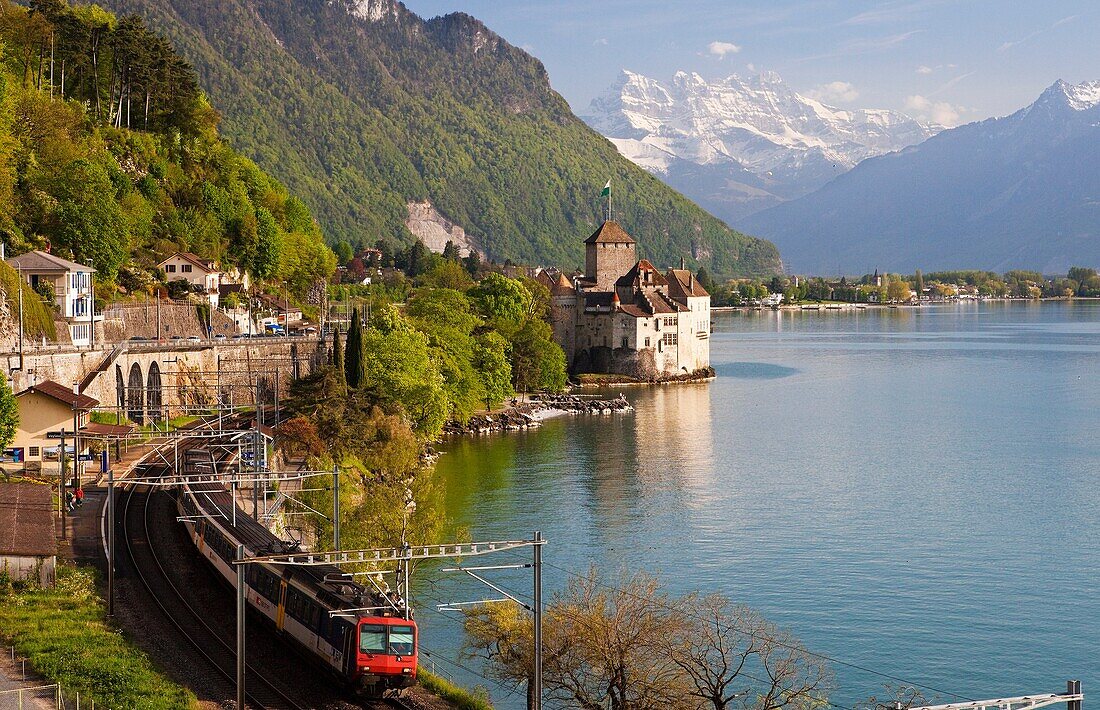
(912, 492)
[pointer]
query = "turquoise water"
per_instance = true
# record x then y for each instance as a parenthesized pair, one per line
(908, 491)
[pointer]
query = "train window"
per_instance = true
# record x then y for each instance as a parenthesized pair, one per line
(401, 640)
(372, 638)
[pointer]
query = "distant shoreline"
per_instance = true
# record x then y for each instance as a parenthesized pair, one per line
(844, 306)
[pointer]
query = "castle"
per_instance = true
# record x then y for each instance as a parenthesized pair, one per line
(625, 317)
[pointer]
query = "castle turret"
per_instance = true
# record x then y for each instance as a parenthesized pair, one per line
(608, 254)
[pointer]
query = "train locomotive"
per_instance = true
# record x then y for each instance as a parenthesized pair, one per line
(360, 635)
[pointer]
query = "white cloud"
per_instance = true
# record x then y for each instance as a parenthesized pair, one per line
(721, 49)
(922, 69)
(601, 40)
(935, 111)
(838, 91)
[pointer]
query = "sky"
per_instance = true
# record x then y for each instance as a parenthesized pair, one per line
(947, 61)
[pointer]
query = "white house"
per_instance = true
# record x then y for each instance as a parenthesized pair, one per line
(196, 271)
(73, 292)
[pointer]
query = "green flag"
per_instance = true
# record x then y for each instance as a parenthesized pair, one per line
(606, 191)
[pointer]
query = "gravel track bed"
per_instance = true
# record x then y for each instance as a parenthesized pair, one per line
(201, 589)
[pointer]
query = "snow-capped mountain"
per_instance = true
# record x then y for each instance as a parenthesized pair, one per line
(1021, 191)
(740, 145)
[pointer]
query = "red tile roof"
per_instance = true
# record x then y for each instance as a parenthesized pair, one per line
(682, 283)
(26, 520)
(636, 277)
(62, 394)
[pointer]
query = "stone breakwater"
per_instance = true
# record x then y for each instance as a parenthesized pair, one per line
(528, 415)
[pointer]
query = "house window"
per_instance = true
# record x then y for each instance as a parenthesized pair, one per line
(186, 268)
(170, 269)
(35, 451)
(669, 339)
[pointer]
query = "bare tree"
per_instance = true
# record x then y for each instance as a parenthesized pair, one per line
(604, 649)
(503, 636)
(735, 658)
(625, 644)
(793, 677)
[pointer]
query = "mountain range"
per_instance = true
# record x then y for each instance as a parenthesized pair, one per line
(739, 145)
(1021, 191)
(368, 111)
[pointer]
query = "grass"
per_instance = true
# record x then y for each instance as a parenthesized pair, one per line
(64, 635)
(604, 378)
(458, 696)
(37, 316)
(172, 424)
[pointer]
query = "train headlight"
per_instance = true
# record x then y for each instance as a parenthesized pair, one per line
(364, 669)
(406, 670)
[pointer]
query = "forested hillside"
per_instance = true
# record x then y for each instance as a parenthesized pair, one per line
(362, 106)
(109, 153)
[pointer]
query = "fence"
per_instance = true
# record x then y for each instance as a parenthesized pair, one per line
(36, 695)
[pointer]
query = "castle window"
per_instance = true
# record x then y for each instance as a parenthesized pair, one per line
(647, 342)
(669, 339)
(626, 343)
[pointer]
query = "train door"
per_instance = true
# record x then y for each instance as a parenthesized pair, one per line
(280, 613)
(351, 656)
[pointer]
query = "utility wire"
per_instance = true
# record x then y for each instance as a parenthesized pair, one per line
(740, 674)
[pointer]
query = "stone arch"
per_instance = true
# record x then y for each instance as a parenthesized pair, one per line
(135, 395)
(154, 394)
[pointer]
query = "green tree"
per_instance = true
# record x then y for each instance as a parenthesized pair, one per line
(538, 363)
(705, 279)
(353, 356)
(338, 355)
(493, 368)
(450, 251)
(344, 252)
(265, 263)
(897, 290)
(919, 278)
(87, 219)
(503, 302)
(399, 371)
(9, 414)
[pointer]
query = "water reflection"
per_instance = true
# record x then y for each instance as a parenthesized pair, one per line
(907, 490)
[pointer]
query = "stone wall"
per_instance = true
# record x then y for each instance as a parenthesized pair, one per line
(187, 374)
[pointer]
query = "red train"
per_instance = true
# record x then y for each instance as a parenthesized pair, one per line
(359, 636)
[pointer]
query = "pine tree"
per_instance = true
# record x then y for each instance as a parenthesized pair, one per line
(353, 356)
(338, 355)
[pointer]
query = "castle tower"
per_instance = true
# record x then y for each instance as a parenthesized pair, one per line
(608, 254)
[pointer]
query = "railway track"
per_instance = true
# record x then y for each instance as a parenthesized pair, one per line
(262, 692)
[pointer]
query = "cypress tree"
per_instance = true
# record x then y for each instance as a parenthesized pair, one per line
(353, 355)
(338, 354)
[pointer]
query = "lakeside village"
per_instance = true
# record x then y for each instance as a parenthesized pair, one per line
(404, 348)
